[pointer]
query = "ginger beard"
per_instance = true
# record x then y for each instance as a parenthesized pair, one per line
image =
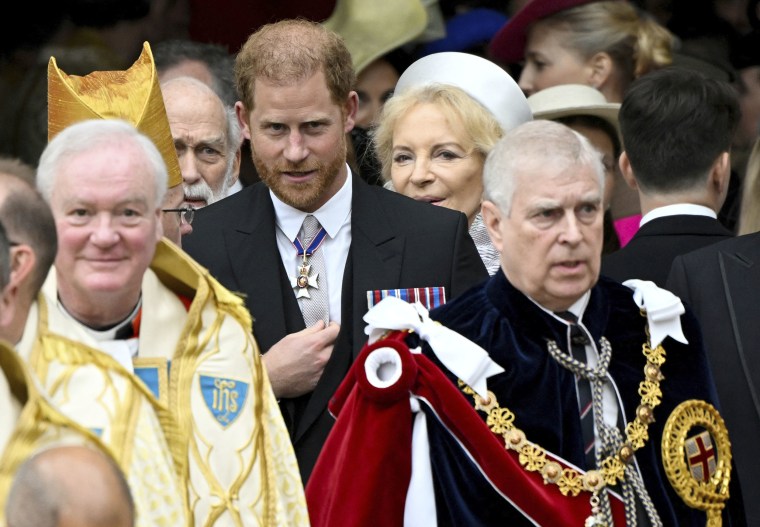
(301, 195)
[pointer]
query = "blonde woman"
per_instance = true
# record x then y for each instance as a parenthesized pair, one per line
(749, 214)
(434, 134)
(603, 44)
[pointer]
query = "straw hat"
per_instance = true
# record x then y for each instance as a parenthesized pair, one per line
(133, 95)
(483, 80)
(372, 28)
(566, 100)
(509, 43)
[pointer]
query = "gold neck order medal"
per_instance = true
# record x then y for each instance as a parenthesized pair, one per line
(533, 457)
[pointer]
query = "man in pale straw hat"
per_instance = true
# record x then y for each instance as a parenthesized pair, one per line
(136, 341)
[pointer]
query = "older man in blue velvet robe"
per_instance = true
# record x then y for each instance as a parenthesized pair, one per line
(648, 428)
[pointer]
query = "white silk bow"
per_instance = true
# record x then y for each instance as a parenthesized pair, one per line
(462, 357)
(663, 308)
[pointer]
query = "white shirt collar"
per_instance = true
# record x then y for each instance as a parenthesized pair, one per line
(678, 209)
(332, 215)
(577, 309)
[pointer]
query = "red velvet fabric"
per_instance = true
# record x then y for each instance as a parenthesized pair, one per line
(363, 472)
(230, 22)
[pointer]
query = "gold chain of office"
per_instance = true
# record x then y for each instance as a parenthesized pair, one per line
(533, 457)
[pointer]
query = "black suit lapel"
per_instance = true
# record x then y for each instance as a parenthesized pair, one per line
(374, 262)
(377, 255)
(741, 283)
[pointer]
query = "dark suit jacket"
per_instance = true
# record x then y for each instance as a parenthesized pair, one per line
(650, 253)
(721, 283)
(396, 242)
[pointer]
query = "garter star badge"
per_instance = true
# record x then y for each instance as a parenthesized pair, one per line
(696, 453)
(223, 397)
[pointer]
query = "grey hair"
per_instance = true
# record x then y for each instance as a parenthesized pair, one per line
(233, 132)
(89, 135)
(215, 57)
(39, 491)
(234, 140)
(535, 143)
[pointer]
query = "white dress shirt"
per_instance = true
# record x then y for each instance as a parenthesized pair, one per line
(335, 217)
(678, 209)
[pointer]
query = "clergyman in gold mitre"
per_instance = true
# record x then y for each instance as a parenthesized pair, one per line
(216, 408)
(133, 95)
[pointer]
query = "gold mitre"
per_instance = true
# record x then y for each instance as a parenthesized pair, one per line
(133, 95)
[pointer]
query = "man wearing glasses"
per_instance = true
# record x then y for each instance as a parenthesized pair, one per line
(177, 221)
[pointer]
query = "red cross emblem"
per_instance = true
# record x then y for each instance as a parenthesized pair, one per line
(701, 456)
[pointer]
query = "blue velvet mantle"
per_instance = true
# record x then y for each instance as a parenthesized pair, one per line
(541, 392)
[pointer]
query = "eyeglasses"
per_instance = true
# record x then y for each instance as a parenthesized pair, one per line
(185, 214)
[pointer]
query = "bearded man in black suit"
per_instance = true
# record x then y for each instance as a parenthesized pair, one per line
(295, 81)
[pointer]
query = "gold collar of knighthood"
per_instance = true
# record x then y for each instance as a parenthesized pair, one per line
(709, 496)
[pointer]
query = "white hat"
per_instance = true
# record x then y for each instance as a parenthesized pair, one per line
(480, 78)
(566, 100)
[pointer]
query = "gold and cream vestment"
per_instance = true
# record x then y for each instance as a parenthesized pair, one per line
(29, 422)
(199, 401)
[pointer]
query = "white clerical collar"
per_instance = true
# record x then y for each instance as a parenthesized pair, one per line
(121, 350)
(678, 209)
(332, 215)
(101, 335)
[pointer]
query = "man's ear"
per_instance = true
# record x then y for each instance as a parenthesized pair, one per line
(492, 220)
(159, 223)
(720, 173)
(236, 167)
(600, 70)
(242, 116)
(627, 171)
(352, 106)
(23, 262)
